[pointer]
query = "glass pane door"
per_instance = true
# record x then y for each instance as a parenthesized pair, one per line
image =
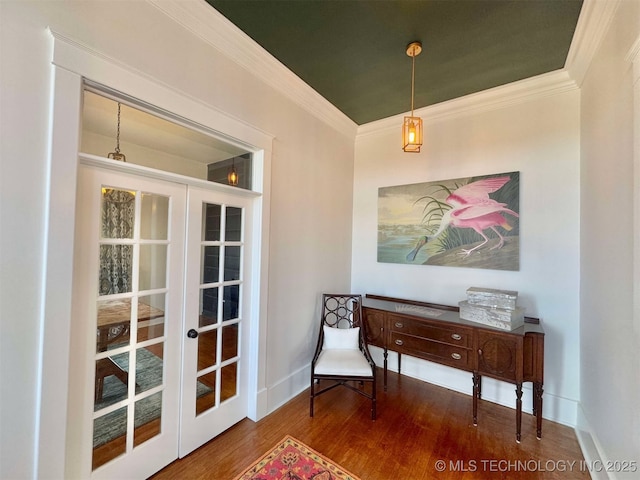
(129, 288)
(218, 321)
(214, 394)
(161, 283)
(131, 302)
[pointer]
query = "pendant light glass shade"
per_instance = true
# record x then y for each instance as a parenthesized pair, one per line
(412, 126)
(412, 134)
(232, 177)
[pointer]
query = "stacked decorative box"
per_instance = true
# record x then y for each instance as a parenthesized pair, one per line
(496, 308)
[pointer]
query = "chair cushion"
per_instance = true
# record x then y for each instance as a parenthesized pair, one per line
(342, 338)
(343, 362)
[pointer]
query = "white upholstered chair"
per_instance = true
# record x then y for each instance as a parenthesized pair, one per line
(342, 357)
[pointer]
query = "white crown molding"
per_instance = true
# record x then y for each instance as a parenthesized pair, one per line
(593, 23)
(492, 99)
(80, 58)
(205, 22)
(212, 27)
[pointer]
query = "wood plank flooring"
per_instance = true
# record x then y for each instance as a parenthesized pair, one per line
(422, 432)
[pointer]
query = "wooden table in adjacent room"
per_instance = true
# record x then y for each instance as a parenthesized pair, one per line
(114, 321)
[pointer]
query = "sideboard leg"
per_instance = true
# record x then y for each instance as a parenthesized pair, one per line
(399, 362)
(518, 411)
(386, 354)
(537, 398)
(476, 395)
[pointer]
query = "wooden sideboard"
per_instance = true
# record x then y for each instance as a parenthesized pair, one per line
(437, 333)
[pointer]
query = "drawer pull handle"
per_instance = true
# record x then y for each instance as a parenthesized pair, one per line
(399, 342)
(456, 336)
(399, 324)
(456, 356)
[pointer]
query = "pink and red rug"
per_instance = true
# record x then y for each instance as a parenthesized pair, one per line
(293, 460)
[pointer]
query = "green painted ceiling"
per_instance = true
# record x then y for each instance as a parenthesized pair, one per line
(353, 52)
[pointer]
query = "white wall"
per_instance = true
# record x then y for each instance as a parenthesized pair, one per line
(538, 138)
(610, 339)
(311, 193)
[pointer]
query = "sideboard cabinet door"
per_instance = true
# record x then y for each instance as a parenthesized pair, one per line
(500, 355)
(374, 328)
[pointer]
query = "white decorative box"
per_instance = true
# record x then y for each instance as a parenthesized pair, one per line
(490, 297)
(502, 318)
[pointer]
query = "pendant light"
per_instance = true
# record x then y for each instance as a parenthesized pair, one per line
(232, 177)
(412, 126)
(121, 157)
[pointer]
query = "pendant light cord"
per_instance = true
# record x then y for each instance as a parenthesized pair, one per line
(118, 131)
(413, 68)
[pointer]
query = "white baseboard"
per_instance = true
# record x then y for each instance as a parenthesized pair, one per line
(554, 408)
(591, 449)
(259, 407)
(281, 392)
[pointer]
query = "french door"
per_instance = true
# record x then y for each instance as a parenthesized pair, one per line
(214, 393)
(160, 298)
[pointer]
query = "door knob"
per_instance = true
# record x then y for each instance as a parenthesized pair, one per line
(192, 333)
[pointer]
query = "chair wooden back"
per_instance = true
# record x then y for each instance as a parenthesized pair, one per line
(342, 310)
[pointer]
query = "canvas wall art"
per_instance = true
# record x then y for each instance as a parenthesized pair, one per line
(464, 222)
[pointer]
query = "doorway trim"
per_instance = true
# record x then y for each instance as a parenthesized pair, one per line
(73, 62)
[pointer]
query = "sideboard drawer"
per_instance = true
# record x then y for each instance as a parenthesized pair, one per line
(451, 334)
(432, 350)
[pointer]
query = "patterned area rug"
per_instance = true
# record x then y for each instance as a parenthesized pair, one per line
(293, 460)
(148, 375)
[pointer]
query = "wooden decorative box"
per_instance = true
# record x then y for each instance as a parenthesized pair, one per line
(489, 297)
(502, 318)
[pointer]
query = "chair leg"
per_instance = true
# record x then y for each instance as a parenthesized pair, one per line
(361, 390)
(373, 401)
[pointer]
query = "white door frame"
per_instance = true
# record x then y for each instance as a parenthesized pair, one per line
(72, 63)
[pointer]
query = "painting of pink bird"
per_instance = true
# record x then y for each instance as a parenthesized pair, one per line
(468, 223)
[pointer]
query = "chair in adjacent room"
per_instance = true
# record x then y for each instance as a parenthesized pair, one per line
(342, 356)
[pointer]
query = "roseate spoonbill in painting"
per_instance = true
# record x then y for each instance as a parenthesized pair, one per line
(472, 208)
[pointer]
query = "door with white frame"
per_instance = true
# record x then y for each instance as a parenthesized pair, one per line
(154, 260)
(217, 309)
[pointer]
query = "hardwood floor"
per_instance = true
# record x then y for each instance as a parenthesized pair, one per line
(420, 428)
